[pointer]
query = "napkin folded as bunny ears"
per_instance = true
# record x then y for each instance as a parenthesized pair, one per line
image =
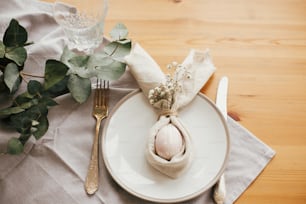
(148, 75)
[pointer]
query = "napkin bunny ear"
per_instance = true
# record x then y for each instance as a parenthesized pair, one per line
(200, 68)
(168, 96)
(145, 70)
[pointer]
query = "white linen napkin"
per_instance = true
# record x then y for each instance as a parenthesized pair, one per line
(53, 170)
(191, 77)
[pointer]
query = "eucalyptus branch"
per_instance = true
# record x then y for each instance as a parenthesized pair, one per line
(22, 73)
(23, 78)
(28, 114)
(28, 43)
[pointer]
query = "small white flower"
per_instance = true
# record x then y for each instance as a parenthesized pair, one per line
(175, 64)
(174, 84)
(151, 93)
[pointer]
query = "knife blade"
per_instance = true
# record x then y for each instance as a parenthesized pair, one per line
(221, 103)
(221, 98)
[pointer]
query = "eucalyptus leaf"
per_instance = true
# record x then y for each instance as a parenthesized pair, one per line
(43, 109)
(18, 55)
(14, 146)
(23, 120)
(111, 72)
(59, 88)
(2, 49)
(119, 32)
(22, 98)
(15, 35)
(47, 101)
(79, 61)
(20, 122)
(55, 71)
(67, 55)
(117, 51)
(97, 59)
(80, 88)
(10, 110)
(41, 128)
(29, 104)
(34, 112)
(11, 77)
(34, 87)
(81, 71)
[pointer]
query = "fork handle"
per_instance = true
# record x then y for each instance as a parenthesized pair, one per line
(92, 179)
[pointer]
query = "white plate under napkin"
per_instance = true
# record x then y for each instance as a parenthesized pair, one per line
(124, 140)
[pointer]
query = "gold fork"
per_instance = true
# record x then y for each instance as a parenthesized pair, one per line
(100, 111)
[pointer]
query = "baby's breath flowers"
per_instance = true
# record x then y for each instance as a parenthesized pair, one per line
(164, 95)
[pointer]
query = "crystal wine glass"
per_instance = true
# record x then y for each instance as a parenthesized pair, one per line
(82, 22)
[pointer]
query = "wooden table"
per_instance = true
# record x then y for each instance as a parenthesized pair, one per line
(261, 46)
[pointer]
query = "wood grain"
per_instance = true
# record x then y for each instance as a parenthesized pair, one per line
(261, 46)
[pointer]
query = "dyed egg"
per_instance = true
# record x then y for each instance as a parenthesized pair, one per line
(168, 142)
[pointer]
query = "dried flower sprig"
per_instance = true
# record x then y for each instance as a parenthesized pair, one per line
(164, 96)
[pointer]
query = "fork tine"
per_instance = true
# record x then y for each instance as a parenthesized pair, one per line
(105, 92)
(96, 93)
(100, 93)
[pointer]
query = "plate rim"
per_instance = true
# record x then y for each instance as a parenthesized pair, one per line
(152, 199)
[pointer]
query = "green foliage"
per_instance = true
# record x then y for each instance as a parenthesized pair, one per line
(2, 49)
(119, 32)
(14, 146)
(80, 88)
(15, 35)
(12, 78)
(106, 64)
(55, 71)
(72, 73)
(12, 57)
(18, 55)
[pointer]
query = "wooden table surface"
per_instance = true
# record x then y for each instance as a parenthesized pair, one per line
(261, 46)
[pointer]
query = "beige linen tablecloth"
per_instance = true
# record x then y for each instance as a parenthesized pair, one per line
(53, 169)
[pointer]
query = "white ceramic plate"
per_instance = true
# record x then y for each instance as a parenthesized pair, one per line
(124, 141)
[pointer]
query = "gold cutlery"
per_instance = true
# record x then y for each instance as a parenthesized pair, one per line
(100, 111)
